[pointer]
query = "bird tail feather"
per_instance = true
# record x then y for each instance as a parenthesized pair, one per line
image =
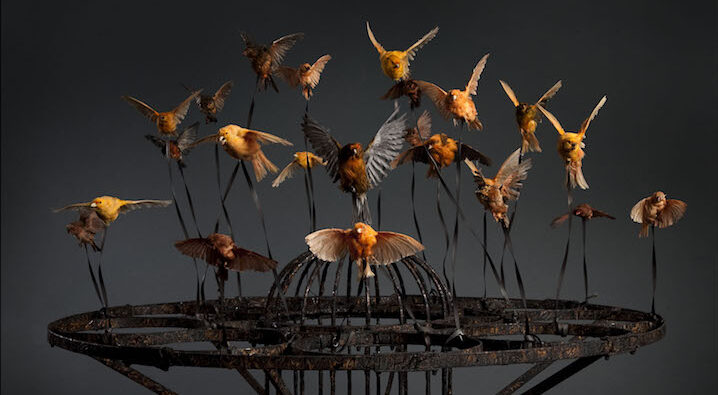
(575, 175)
(530, 143)
(261, 165)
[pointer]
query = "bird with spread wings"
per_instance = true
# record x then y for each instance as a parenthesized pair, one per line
(265, 59)
(528, 115)
(167, 121)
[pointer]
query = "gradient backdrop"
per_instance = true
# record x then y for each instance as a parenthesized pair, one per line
(67, 137)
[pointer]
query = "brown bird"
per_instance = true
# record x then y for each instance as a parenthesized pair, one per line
(302, 160)
(266, 59)
(244, 144)
(656, 210)
(395, 64)
(528, 116)
(220, 250)
(176, 148)
(166, 121)
(582, 210)
(457, 104)
(108, 208)
(570, 146)
(306, 75)
(407, 88)
(85, 228)
(495, 193)
(356, 169)
(365, 246)
(442, 148)
(210, 105)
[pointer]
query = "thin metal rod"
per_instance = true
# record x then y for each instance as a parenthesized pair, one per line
(563, 374)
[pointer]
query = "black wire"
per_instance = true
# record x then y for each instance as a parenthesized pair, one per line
(654, 269)
(585, 268)
(92, 275)
(413, 207)
(378, 209)
(484, 272)
(455, 241)
(189, 200)
(447, 242)
(103, 288)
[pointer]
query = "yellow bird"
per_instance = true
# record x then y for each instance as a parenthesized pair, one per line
(166, 121)
(108, 208)
(395, 64)
(244, 144)
(457, 104)
(528, 116)
(302, 160)
(570, 146)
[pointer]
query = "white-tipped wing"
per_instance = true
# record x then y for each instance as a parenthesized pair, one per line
(328, 244)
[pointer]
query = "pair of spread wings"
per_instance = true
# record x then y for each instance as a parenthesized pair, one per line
(202, 248)
(541, 102)
(378, 156)
(184, 141)
(410, 52)
(178, 112)
(89, 221)
(293, 166)
(279, 47)
(220, 96)
(584, 124)
(509, 177)
(291, 75)
(438, 95)
(333, 244)
(128, 205)
(594, 214)
(248, 134)
(671, 213)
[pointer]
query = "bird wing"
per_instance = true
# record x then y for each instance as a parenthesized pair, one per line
(323, 143)
(587, 121)
(670, 214)
(210, 138)
(146, 110)
(437, 95)
(287, 172)
(637, 210)
(470, 153)
(423, 125)
(391, 247)
(221, 95)
(599, 213)
(510, 93)
(250, 260)
(559, 220)
(316, 70)
(137, 204)
(476, 172)
(411, 52)
(199, 248)
(385, 146)
(475, 75)
(553, 120)
(328, 244)
(378, 46)
(181, 110)
(187, 137)
(267, 138)
(280, 46)
(289, 74)
(511, 174)
(75, 206)
(160, 143)
(416, 154)
(549, 94)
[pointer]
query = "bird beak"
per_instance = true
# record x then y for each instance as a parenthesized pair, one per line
(359, 230)
(93, 204)
(453, 97)
(430, 146)
(222, 140)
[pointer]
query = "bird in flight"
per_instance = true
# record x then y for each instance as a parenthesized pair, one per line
(305, 76)
(265, 59)
(210, 105)
(301, 160)
(85, 228)
(108, 208)
(657, 210)
(176, 148)
(584, 211)
(395, 64)
(167, 121)
(528, 116)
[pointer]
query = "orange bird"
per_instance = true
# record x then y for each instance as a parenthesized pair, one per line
(166, 121)
(365, 246)
(584, 211)
(528, 116)
(395, 64)
(220, 250)
(457, 104)
(656, 210)
(85, 228)
(302, 160)
(570, 146)
(266, 59)
(210, 105)
(495, 193)
(244, 144)
(306, 75)
(176, 148)
(356, 169)
(108, 208)
(442, 148)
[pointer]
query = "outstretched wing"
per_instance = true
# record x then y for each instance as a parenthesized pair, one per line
(385, 147)
(187, 137)
(267, 138)
(91, 221)
(475, 75)
(511, 174)
(559, 220)
(327, 244)
(437, 95)
(221, 95)
(250, 260)
(160, 143)
(391, 247)
(416, 154)
(199, 248)
(316, 70)
(549, 94)
(137, 204)
(670, 214)
(587, 121)
(280, 46)
(210, 138)
(510, 93)
(552, 119)
(637, 210)
(376, 44)
(143, 108)
(599, 213)
(287, 172)
(181, 110)
(470, 153)
(289, 74)
(423, 125)
(75, 206)
(476, 172)
(411, 52)
(323, 143)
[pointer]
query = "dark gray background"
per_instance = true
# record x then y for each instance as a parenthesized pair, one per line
(67, 137)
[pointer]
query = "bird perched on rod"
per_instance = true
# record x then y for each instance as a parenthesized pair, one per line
(364, 245)
(245, 144)
(301, 160)
(176, 148)
(210, 105)
(265, 59)
(528, 116)
(85, 228)
(395, 64)
(442, 148)
(457, 104)
(307, 75)
(656, 210)
(358, 170)
(108, 208)
(495, 193)
(584, 211)
(168, 121)
(570, 146)
(221, 251)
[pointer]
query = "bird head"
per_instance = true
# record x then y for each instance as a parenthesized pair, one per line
(305, 67)
(164, 117)
(523, 107)
(659, 196)
(356, 150)
(97, 203)
(454, 94)
(361, 228)
(223, 134)
(433, 141)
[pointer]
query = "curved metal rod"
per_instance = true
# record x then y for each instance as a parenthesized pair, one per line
(337, 277)
(285, 276)
(444, 295)
(317, 267)
(422, 287)
(390, 273)
(298, 285)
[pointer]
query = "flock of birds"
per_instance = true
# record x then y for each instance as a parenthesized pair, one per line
(357, 168)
